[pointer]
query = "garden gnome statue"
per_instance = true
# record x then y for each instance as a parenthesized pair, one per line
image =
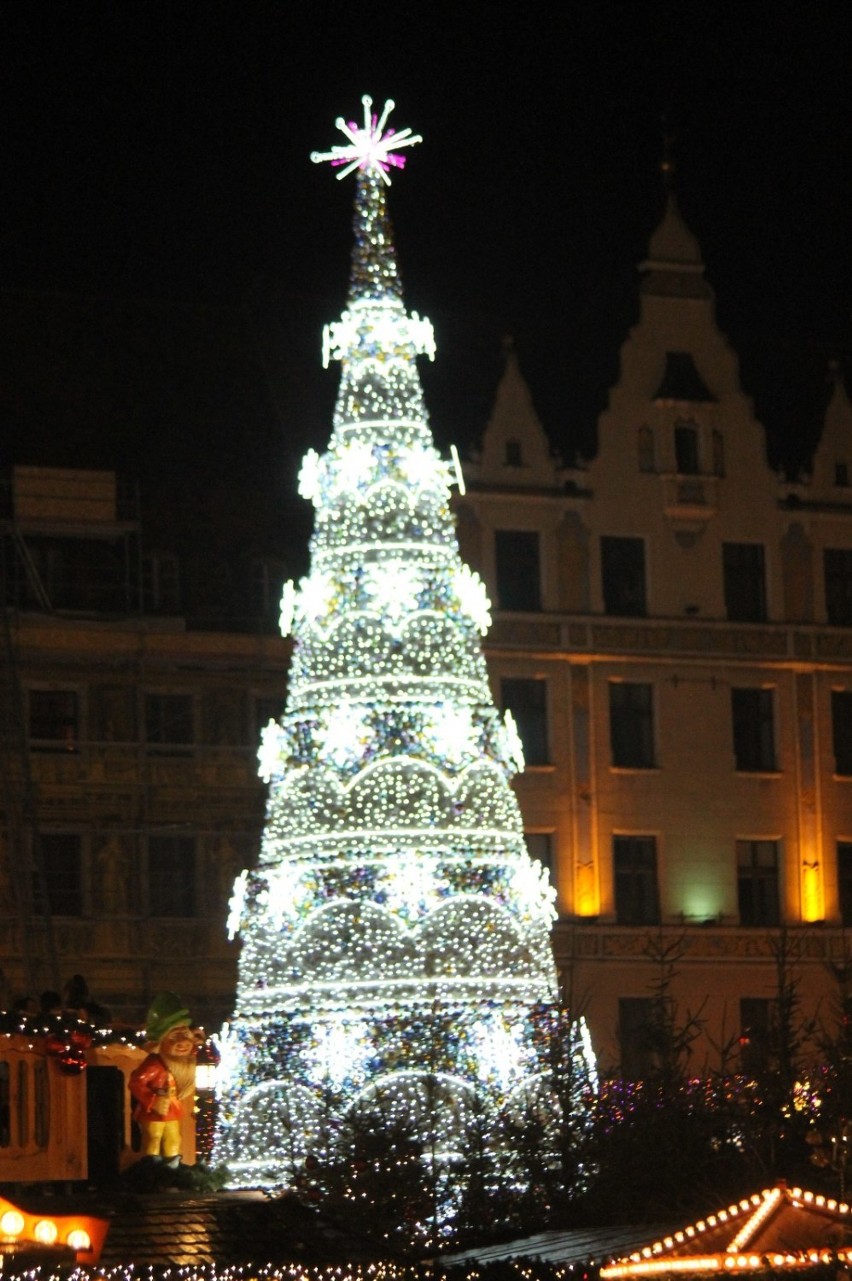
(165, 1078)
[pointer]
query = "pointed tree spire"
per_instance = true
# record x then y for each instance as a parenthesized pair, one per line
(373, 151)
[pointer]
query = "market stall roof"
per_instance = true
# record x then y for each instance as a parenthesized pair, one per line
(777, 1228)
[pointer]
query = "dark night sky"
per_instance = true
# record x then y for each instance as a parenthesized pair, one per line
(156, 163)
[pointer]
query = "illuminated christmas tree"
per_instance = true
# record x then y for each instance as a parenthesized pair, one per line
(396, 954)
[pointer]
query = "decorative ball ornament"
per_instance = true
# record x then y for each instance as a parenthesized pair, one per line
(72, 1061)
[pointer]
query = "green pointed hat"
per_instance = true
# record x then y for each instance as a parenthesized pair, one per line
(165, 1013)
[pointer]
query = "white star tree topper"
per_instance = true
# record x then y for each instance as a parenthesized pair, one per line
(369, 147)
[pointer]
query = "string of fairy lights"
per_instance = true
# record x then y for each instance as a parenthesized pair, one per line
(396, 933)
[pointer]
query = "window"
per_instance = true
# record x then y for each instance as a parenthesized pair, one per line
(53, 720)
(718, 454)
(518, 575)
(160, 583)
(636, 1036)
(171, 876)
(844, 880)
(513, 457)
(645, 449)
(686, 449)
(841, 474)
(527, 701)
(837, 567)
(754, 730)
(61, 857)
(5, 1106)
(634, 860)
(745, 582)
(265, 708)
(755, 1033)
(540, 847)
(267, 579)
(841, 730)
(23, 1104)
(169, 721)
(631, 725)
(757, 882)
(623, 576)
(41, 1091)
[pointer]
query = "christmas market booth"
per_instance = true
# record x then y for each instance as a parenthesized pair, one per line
(779, 1230)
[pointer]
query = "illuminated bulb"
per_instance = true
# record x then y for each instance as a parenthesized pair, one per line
(79, 1239)
(46, 1232)
(11, 1223)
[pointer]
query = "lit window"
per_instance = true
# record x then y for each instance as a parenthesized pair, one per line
(527, 701)
(757, 882)
(752, 715)
(518, 571)
(634, 860)
(631, 725)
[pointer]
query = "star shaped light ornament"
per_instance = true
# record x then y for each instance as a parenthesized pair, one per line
(369, 146)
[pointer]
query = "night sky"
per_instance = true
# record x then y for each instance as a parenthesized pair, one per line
(170, 253)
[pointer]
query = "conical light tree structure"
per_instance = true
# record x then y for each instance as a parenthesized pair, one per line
(396, 933)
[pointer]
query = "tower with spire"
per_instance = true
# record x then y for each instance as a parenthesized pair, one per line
(396, 956)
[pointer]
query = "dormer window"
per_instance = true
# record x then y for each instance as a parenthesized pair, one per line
(686, 449)
(841, 474)
(513, 457)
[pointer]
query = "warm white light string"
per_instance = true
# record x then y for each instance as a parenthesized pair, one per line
(395, 935)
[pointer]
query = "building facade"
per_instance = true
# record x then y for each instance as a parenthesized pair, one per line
(128, 786)
(673, 632)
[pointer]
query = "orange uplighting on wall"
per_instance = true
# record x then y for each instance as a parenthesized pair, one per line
(588, 894)
(813, 907)
(81, 1233)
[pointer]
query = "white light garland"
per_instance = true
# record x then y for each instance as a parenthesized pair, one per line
(396, 932)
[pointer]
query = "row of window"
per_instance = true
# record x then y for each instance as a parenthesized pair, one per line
(636, 879)
(15, 1120)
(173, 878)
(623, 577)
(638, 1021)
(632, 733)
(637, 895)
(168, 721)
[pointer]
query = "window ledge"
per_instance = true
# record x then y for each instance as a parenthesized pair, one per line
(635, 769)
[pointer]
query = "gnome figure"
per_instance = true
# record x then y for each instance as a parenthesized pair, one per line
(165, 1078)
